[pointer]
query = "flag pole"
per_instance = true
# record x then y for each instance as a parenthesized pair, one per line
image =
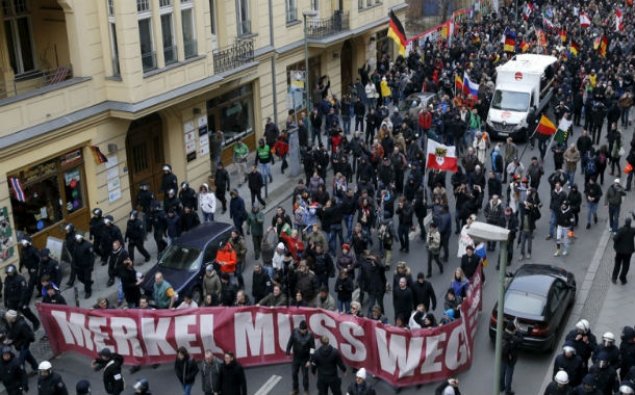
(528, 139)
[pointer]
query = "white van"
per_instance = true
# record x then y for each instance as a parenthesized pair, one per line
(525, 81)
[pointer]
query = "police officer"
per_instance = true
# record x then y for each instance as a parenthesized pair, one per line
(96, 228)
(69, 243)
(159, 227)
(187, 196)
(115, 261)
(135, 236)
(30, 258)
(168, 181)
(83, 260)
(48, 267)
(50, 382)
(12, 373)
(111, 363)
(145, 198)
(82, 388)
(111, 233)
(17, 295)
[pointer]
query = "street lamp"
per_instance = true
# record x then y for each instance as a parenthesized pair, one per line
(310, 13)
(483, 231)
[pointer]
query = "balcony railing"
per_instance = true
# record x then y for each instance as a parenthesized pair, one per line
(239, 53)
(321, 28)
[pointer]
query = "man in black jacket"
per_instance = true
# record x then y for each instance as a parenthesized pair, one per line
(135, 235)
(326, 360)
(12, 374)
(423, 293)
(511, 344)
(302, 342)
(402, 300)
(469, 262)
(254, 180)
(373, 279)
(83, 261)
(17, 295)
(624, 247)
(222, 182)
(111, 363)
(115, 261)
(210, 374)
(404, 211)
(20, 335)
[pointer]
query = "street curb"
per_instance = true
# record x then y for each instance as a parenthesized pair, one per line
(584, 291)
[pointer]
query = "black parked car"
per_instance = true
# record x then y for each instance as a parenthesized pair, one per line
(183, 262)
(538, 297)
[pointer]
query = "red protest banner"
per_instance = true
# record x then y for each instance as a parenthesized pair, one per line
(258, 336)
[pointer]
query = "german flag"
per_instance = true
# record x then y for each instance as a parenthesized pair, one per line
(397, 33)
(510, 42)
(524, 46)
(563, 35)
(458, 83)
(574, 48)
(546, 127)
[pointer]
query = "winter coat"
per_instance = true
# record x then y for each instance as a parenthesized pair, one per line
(301, 345)
(423, 293)
(207, 202)
(211, 284)
(232, 379)
(210, 376)
(623, 240)
(186, 370)
(113, 380)
(326, 360)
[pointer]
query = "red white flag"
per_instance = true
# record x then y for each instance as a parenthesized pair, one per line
(584, 20)
(441, 157)
(619, 20)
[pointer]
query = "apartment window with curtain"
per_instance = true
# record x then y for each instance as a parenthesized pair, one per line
(212, 16)
(244, 21)
(167, 31)
(144, 16)
(189, 32)
(17, 27)
(315, 5)
(292, 10)
(112, 31)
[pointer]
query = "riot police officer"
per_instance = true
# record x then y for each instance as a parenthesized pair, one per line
(48, 267)
(159, 227)
(69, 243)
(111, 233)
(135, 236)
(187, 196)
(142, 387)
(30, 258)
(145, 198)
(50, 382)
(17, 295)
(96, 228)
(12, 373)
(168, 181)
(83, 261)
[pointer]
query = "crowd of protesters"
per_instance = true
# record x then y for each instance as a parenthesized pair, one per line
(366, 189)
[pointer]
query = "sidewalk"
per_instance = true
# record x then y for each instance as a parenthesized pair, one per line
(279, 191)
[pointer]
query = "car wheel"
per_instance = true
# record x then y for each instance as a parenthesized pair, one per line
(197, 296)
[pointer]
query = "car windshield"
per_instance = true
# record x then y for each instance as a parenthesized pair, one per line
(179, 258)
(524, 303)
(511, 101)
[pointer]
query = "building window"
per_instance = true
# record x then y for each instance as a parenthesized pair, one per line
(292, 10)
(43, 194)
(148, 58)
(212, 16)
(189, 31)
(112, 31)
(315, 5)
(244, 22)
(17, 27)
(232, 113)
(167, 31)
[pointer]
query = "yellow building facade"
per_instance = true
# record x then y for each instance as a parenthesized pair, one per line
(145, 82)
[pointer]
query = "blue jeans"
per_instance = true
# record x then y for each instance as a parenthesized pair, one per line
(507, 374)
(614, 217)
(349, 226)
(375, 299)
(593, 211)
(187, 389)
(346, 121)
(552, 224)
(265, 172)
(25, 355)
(343, 306)
(570, 177)
(207, 217)
(334, 233)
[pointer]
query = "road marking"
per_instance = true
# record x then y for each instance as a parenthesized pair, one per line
(268, 385)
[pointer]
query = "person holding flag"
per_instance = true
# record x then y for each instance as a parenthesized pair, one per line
(545, 129)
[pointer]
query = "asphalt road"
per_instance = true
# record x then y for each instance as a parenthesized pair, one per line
(530, 370)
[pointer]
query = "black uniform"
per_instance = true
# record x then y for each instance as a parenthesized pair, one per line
(96, 228)
(168, 181)
(50, 267)
(30, 259)
(572, 365)
(13, 376)
(145, 199)
(51, 385)
(159, 228)
(17, 295)
(135, 234)
(115, 261)
(83, 261)
(187, 196)
(69, 243)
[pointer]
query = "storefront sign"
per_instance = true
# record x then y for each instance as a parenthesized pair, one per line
(258, 336)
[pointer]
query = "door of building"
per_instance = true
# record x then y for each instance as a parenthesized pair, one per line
(144, 149)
